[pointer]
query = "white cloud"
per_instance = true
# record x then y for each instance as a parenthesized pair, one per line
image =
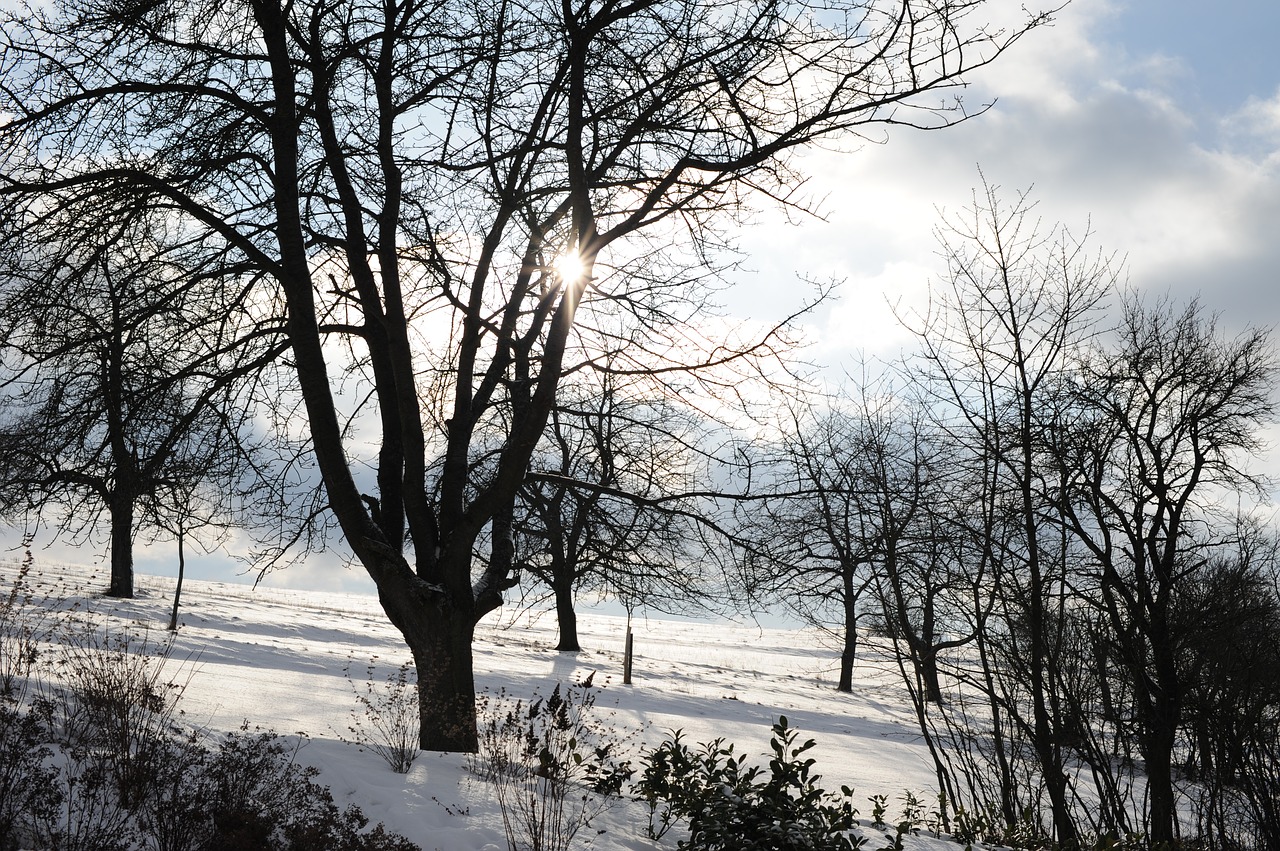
(1257, 121)
(1109, 139)
(866, 319)
(1106, 143)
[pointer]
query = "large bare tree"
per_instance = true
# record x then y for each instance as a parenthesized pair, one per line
(402, 177)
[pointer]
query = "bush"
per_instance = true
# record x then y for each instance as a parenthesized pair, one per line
(553, 766)
(119, 705)
(731, 806)
(91, 815)
(174, 813)
(98, 758)
(258, 797)
(28, 785)
(386, 717)
(248, 792)
(22, 627)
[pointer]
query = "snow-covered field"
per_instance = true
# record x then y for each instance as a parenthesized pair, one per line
(276, 658)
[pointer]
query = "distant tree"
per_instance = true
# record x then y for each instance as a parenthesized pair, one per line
(923, 566)
(815, 523)
(211, 487)
(601, 510)
(125, 383)
(1227, 620)
(404, 178)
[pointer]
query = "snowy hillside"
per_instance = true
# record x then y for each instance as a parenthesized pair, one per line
(287, 661)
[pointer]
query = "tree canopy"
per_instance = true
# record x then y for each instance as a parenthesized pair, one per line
(397, 181)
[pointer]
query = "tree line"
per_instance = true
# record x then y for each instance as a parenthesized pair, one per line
(299, 268)
(1051, 511)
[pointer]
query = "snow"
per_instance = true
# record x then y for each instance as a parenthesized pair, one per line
(275, 659)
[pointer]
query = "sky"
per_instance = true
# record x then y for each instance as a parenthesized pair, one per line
(1156, 123)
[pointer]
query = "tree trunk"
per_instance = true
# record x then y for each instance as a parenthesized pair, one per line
(1008, 792)
(846, 665)
(177, 591)
(121, 547)
(850, 652)
(849, 655)
(927, 661)
(926, 653)
(1044, 730)
(566, 617)
(628, 655)
(1161, 799)
(1042, 665)
(1204, 745)
(437, 624)
(446, 682)
(1164, 720)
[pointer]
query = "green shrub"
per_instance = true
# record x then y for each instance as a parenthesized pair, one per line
(728, 804)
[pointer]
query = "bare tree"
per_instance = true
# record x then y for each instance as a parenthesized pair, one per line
(1174, 412)
(1101, 467)
(212, 486)
(1227, 619)
(609, 519)
(924, 560)
(1017, 305)
(403, 176)
(847, 514)
(817, 533)
(126, 383)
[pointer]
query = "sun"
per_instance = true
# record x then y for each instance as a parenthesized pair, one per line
(569, 268)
